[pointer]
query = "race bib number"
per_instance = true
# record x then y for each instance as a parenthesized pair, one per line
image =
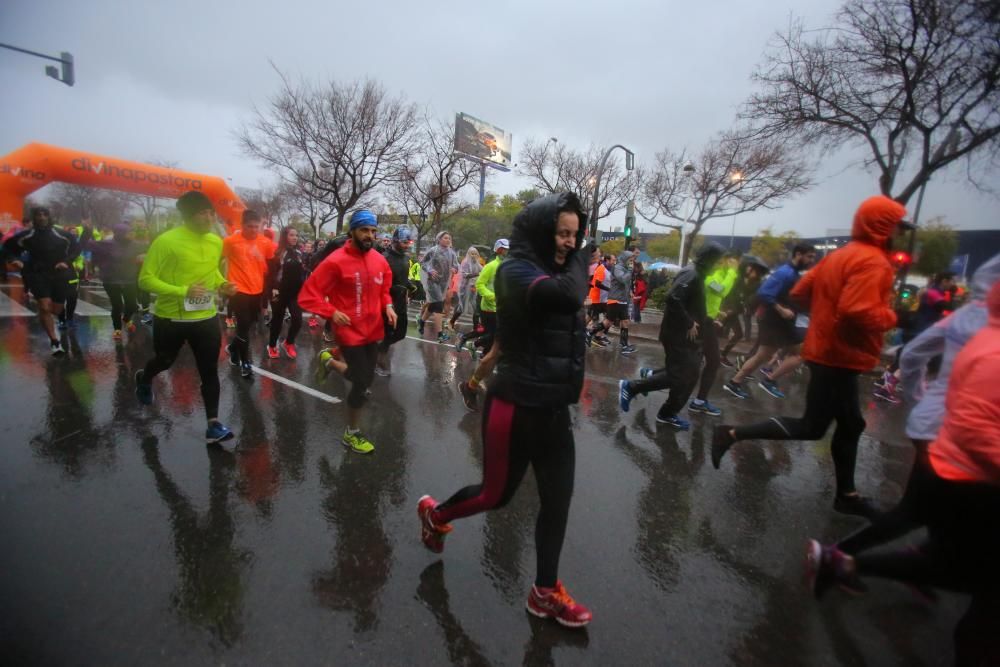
(194, 303)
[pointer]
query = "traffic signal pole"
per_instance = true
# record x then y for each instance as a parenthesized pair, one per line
(67, 75)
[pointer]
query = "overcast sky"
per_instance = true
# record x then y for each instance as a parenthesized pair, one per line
(172, 80)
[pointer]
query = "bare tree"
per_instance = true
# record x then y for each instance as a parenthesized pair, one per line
(336, 142)
(272, 202)
(913, 82)
(71, 204)
(316, 211)
(554, 167)
(733, 174)
(427, 187)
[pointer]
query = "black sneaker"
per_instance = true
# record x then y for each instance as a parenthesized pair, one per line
(628, 349)
(726, 363)
(246, 370)
(469, 396)
(736, 389)
(722, 440)
(233, 360)
(856, 505)
(57, 349)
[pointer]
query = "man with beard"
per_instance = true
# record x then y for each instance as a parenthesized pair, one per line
(49, 271)
(398, 257)
(350, 288)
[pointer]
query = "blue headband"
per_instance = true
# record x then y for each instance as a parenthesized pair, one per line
(363, 218)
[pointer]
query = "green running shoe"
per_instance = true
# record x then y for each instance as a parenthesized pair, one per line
(324, 358)
(358, 443)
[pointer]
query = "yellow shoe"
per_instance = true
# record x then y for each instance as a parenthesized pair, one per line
(357, 443)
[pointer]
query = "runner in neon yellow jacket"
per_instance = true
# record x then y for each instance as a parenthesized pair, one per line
(484, 285)
(718, 284)
(176, 260)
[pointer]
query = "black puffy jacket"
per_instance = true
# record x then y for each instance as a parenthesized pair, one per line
(540, 310)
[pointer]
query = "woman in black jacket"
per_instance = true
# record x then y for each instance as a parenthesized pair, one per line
(286, 272)
(540, 291)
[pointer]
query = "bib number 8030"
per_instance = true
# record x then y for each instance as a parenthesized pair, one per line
(194, 303)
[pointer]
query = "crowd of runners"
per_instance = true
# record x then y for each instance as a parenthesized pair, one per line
(547, 295)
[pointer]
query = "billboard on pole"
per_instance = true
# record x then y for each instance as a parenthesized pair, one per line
(482, 141)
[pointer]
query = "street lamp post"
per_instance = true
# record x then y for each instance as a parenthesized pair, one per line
(688, 173)
(629, 165)
(735, 177)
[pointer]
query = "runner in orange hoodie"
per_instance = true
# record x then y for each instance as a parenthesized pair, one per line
(954, 490)
(848, 297)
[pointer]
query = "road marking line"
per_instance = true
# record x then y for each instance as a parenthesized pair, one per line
(11, 308)
(429, 342)
(301, 387)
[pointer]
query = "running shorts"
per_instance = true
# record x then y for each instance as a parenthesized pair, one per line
(776, 331)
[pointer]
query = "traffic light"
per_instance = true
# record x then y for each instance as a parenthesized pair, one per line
(67, 76)
(629, 220)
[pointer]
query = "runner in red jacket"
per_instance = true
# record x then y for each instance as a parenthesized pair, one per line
(847, 296)
(351, 289)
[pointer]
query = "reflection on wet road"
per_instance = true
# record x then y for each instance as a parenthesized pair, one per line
(128, 541)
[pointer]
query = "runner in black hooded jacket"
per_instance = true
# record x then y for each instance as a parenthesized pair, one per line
(540, 293)
(49, 270)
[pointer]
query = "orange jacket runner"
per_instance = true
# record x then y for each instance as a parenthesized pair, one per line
(247, 261)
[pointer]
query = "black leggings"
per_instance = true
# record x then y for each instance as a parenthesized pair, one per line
(679, 374)
(960, 554)
(287, 300)
(901, 519)
(246, 308)
(72, 297)
(710, 348)
(513, 437)
(397, 333)
(122, 302)
(832, 395)
(732, 323)
(204, 339)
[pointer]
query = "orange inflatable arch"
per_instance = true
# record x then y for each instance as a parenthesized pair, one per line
(35, 165)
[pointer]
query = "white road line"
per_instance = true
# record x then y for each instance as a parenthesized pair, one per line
(11, 308)
(301, 387)
(430, 342)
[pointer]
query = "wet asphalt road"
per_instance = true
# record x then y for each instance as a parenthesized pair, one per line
(127, 541)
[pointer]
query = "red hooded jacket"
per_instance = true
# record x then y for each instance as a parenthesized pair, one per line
(967, 448)
(848, 293)
(356, 284)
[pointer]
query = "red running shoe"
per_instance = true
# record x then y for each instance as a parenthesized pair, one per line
(556, 603)
(431, 533)
(289, 349)
(272, 352)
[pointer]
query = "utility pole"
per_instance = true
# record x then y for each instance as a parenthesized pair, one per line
(66, 75)
(629, 165)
